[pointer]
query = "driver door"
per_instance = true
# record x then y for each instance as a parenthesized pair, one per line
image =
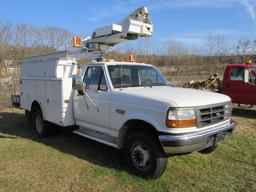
(235, 86)
(250, 90)
(92, 109)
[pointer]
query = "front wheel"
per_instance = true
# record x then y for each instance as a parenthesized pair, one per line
(144, 156)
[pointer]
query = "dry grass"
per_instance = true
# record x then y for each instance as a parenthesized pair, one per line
(67, 162)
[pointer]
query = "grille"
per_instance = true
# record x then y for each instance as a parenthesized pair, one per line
(210, 115)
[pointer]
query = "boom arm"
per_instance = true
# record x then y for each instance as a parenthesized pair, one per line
(136, 25)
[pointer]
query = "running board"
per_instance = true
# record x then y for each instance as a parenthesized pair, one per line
(96, 136)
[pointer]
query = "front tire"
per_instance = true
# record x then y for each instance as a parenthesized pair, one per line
(39, 124)
(144, 156)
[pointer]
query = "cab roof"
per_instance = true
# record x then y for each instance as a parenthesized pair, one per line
(120, 63)
(241, 65)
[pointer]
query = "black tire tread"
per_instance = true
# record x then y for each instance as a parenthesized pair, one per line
(29, 118)
(209, 150)
(160, 161)
(45, 133)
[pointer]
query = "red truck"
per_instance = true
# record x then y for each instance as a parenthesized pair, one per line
(239, 82)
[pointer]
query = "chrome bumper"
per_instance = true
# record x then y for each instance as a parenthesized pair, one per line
(189, 142)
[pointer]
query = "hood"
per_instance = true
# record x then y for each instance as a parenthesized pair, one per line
(178, 97)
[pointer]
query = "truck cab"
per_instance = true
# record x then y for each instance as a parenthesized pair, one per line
(239, 83)
(132, 106)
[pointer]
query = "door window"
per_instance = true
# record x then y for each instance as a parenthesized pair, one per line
(252, 75)
(237, 74)
(103, 84)
(94, 79)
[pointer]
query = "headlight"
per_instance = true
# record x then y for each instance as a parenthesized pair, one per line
(227, 111)
(181, 118)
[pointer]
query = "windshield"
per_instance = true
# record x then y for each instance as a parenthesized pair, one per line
(135, 76)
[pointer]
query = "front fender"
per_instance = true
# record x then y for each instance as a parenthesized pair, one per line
(144, 117)
(135, 117)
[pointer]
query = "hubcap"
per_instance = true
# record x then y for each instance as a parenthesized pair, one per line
(140, 156)
(39, 123)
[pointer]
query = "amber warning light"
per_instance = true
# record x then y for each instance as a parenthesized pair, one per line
(132, 58)
(76, 41)
(249, 62)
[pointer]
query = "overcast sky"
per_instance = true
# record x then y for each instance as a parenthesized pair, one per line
(187, 21)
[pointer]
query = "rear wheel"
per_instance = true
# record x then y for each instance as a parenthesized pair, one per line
(39, 124)
(144, 156)
(28, 116)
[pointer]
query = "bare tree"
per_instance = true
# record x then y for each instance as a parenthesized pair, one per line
(126, 47)
(5, 31)
(174, 51)
(253, 47)
(22, 35)
(244, 48)
(57, 37)
(146, 47)
(216, 47)
(26, 40)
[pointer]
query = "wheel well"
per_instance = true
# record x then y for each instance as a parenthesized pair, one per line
(136, 125)
(35, 105)
(139, 125)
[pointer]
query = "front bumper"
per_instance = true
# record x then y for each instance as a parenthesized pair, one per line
(189, 142)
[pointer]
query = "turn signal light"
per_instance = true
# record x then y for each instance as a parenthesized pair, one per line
(181, 123)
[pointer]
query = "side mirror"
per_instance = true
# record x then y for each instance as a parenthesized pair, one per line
(246, 75)
(77, 83)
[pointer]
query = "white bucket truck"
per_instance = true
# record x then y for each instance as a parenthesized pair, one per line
(126, 105)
